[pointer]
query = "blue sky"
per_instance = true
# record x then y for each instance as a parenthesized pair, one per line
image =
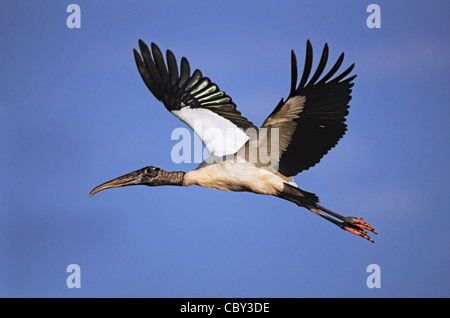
(74, 113)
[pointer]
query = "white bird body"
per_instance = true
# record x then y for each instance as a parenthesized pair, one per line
(230, 175)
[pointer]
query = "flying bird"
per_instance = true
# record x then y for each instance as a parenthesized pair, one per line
(295, 136)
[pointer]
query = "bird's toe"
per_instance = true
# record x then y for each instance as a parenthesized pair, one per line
(358, 227)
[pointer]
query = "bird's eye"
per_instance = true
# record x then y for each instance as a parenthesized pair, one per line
(150, 170)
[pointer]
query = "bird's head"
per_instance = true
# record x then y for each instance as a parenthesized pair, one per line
(150, 176)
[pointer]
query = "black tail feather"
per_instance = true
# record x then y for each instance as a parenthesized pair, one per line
(299, 196)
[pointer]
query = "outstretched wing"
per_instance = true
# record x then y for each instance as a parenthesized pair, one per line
(312, 120)
(194, 99)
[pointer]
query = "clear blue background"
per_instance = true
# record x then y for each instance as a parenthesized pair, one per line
(74, 113)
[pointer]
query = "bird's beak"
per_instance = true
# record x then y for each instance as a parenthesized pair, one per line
(128, 179)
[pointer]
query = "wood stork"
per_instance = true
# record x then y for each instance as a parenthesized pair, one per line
(307, 125)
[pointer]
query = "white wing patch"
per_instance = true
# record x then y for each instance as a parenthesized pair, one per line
(275, 134)
(220, 136)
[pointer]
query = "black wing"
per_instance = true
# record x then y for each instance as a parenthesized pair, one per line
(313, 116)
(178, 89)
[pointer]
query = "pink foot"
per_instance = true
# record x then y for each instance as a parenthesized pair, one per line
(358, 227)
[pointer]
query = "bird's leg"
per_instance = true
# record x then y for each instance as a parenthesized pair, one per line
(352, 224)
